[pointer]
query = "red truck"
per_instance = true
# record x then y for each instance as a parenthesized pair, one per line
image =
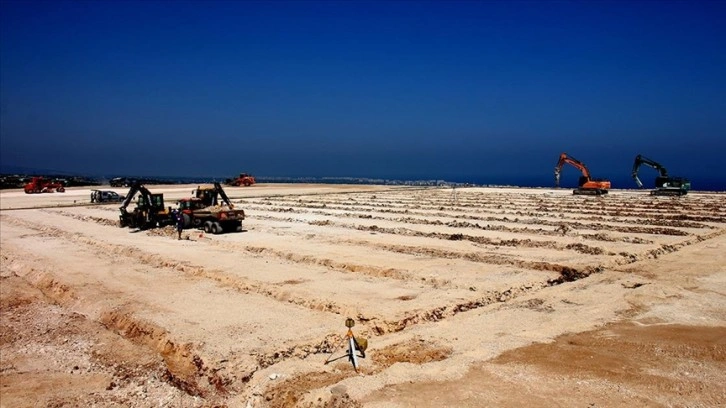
(41, 185)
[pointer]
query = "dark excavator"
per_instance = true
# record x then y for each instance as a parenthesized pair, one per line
(586, 184)
(149, 211)
(664, 184)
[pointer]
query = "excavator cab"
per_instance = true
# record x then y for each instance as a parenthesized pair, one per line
(153, 202)
(157, 202)
(208, 195)
(191, 204)
(149, 212)
(679, 183)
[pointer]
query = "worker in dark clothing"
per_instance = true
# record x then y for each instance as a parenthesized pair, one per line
(179, 223)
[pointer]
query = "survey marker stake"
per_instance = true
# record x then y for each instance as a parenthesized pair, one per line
(354, 345)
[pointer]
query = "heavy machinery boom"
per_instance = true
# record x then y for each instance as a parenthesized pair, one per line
(586, 184)
(204, 211)
(149, 212)
(664, 184)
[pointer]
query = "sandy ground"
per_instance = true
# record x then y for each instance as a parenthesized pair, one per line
(469, 297)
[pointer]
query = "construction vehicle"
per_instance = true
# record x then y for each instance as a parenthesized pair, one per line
(205, 211)
(105, 196)
(120, 182)
(664, 184)
(243, 179)
(42, 185)
(586, 184)
(149, 212)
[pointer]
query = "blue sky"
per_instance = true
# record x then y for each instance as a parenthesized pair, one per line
(382, 89)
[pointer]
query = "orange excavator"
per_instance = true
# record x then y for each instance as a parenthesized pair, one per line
(586, 184)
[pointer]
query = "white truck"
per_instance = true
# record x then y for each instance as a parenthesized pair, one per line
(105, 196)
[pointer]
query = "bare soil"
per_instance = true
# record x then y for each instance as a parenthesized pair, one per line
(474, 297)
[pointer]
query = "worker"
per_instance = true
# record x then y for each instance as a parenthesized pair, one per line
(179, 223)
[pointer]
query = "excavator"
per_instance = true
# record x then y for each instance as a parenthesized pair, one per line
(149, 212)
(586, 185)
(205, 211)
(664, 184)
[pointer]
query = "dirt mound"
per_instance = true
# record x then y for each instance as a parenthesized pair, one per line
(415, 351)
(289, 392)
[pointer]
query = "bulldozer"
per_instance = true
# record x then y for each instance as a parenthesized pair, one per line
(243, 179)
(205, 210)
(586, 184)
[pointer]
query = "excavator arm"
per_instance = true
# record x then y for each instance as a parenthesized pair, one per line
(565, 159)
(136, 187)
(640, 160)
(220, 190)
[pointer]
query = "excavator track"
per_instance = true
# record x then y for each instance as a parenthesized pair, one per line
(589, 191)
(668, 192)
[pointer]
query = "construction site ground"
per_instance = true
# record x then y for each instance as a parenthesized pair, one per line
(469, 297)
